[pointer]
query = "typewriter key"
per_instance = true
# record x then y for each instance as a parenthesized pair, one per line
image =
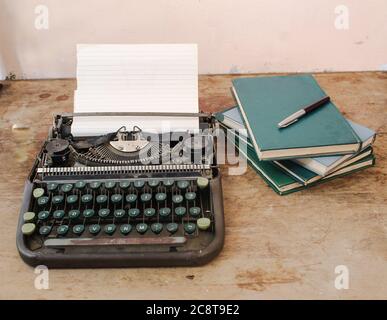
(202, 182)
(110, 228)
(153, 183)
(94, 185)
(62, 230)
(124, 184)
(38, 192)
(168, 182)
(74, 214)
(52, 186)
(177, 198)
(194, 211)
(161, 196)
(88, 213)
(180, 211)
(141, 228)
(190, 227)
(164, 212)
(28, 216)
(110, 184)
(139, 184)
(86, 198)
(78, 229)
(42, 201)
(203, 223)
(131, 198)
(120, 213)
(72, 199)
(134, 212)
(94, 229)
(80, 185)
(43, 215)
(103, 213)
(190, 196)
(156, 227)
(101, 199)
(58, 199)
(28, 229)
(125, 229)
(58, 214)
(66, 187)
(182, 184)
(172, 227)
(116, 198)
(149, 212)
(145, 197)
(45, 230)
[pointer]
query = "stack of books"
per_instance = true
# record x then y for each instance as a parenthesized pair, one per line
(318, 147)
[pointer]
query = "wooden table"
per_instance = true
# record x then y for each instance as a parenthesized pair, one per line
(276, 247)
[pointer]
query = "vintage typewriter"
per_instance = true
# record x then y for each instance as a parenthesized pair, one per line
(123, 199)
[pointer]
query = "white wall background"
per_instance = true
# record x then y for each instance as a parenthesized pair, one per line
(234, 36)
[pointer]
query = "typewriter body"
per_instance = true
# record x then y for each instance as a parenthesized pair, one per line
(124, 199)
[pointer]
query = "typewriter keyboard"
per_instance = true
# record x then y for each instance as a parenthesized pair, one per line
(119, 212)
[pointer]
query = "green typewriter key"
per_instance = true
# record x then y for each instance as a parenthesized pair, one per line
(145, 197)
(110, 229)
(67, 187)
(94, 185)
(139, 184)
(88, 213)
(194, 211)
(72, 199)
(153, 183)
(180, 211)
(62, 230)
(168, 183)
(38, 192)
(57, 199)
(161, 196)
(103, 213)
(29, 216)
(149, 212)
(43, 215)
(45, 230)
(134, 212)
(58, 214)
(156, 227)
(190, 196)
(80, 185)
(164, 212)
(177, 198)
(125, 229)
(130, 198)
(78, 229)
(42, 201)
(86, 198)
(94, 229)
(190, 227)
(124, 184)
(52, 186)
(120, 213)
(182, 184)
(172, 227)
(109, 184)
(28, 229)
(142, 228)
(116, 198)
(202, 182)
(101, 199)
(203, 223)
(74, 214)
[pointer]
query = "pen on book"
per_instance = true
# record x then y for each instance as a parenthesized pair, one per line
(298, 114)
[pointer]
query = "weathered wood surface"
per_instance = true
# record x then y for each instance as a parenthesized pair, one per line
(276, 247)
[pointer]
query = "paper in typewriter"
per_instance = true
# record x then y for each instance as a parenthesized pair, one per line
(135, 78)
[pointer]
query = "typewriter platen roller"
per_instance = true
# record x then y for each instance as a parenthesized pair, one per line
(127, 198)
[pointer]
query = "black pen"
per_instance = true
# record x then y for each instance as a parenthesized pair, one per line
(295, 116)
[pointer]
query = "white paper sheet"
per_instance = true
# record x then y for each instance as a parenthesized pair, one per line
(135, 78)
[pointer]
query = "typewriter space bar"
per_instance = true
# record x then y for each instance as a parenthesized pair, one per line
(74, 242)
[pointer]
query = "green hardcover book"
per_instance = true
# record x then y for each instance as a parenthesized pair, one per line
(265, 101)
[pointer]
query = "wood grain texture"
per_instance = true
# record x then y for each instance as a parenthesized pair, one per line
(276, 247)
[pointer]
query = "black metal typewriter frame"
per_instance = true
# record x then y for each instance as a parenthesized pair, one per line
(106, 260)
